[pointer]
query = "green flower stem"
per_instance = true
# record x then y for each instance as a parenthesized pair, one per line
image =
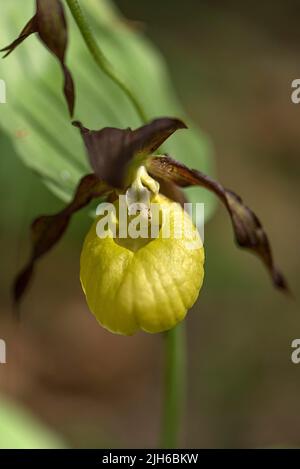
(100, 58)
(174, 398)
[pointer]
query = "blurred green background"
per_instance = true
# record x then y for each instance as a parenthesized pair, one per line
(232, 66)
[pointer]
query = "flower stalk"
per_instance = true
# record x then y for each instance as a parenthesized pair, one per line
(174, 394)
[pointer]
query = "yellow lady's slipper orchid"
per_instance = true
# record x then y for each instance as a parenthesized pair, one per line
(145, 285)
(142, 282)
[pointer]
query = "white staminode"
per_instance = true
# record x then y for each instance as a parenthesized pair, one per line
(140, 216)
(138, 196)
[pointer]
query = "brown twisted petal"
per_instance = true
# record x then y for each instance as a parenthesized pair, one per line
(47, 230)
(248, 230)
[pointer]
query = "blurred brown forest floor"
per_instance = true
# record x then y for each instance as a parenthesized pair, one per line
(233, 65)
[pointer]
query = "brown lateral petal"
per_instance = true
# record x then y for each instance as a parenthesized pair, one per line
(110, 150)
(50, 24)
(248, 229)
(47, 230)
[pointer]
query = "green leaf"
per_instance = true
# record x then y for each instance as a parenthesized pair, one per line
(35, 116)
(20, 430)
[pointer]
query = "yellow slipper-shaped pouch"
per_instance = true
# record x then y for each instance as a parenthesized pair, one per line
(149, 285)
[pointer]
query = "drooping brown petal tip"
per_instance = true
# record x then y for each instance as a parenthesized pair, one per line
(50, 24)
(248, 230)
(110, 150)
(47, 230)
